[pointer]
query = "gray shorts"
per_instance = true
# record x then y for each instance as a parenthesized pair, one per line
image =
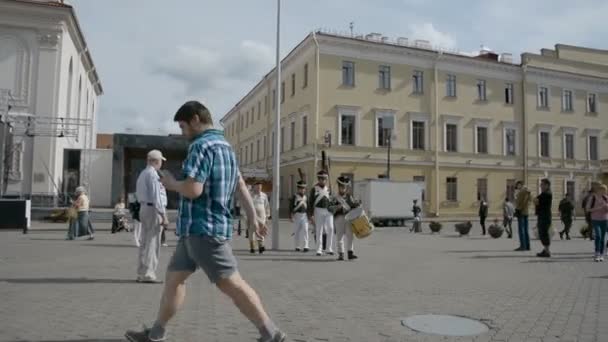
(212, 255)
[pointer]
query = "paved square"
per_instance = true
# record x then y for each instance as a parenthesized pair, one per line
(57, 290)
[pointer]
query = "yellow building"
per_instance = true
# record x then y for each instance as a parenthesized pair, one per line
(466, 126)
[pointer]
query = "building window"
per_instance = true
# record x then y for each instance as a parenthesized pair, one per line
(591, 103)
(418, 82)
(544, 144)
(450, 90)
(247, 119)
(257, 149)
(418, 138)
(452, 189)
(511, 189)
(283, 92)
(274, 98)
(305, 76)
(347, 129)
(570, 190)
(264, 147)
(482, 140)
(509, 93)
(481, 90)
(265, 104)
(304, 131)
(421, 179)
(348, 74)
(252, 114)
(384, 124)
(292, 135)
(384, 77)
(272, 143)
(293, 84)
(510, 142)
(282, 184)
(282, 139)
(543, 97)
(259, 109)
(251, 153)
(569, 145)
(246, 155)
(482, 189)
(593, 148)
(567, 100)
(451, 137)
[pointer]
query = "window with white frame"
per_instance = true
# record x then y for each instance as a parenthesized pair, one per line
(272, 143)
(509, 93)
(481, 90)
(569, 144)
(283, 92)
(418, 135)
(545, 144)
(592, 142)
(542, 97)
(259, 110)
(252, 114)
(510, 190)
(347, 128)
(482, 189)
(481, 139)
(384, 126)
(451, 189)
(567, 100)
(304, 130)
(450, 85)
(251, 153)
(570, 190)
(305, 78)
(451, 137)
(384, 77)
(348, 74)
(264, 147)
(510, 141)
(292, 135)
(257, 149)
(282, 141)
(246, 155)
(293, 84)
(418, 82)
(274, 98)
(591, 103)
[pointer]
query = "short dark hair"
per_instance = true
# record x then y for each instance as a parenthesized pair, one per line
(546, 181)
(518, 183)
(190, 109)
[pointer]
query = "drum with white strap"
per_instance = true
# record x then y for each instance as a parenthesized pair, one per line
(359, 222)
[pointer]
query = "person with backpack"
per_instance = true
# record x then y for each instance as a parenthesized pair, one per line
(597, 206)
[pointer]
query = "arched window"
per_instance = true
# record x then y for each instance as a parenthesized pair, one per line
(68, 105)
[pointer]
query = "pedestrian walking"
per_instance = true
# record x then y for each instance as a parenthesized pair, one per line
(134, 208)
(205, 227)
(152, 196)
(416, 210)
(508, 211)
(597, 206)
(483, 214)
(566, 213)
(297, 209)
(523, 198)
(262, 211)
(543, 204)
(81, 225)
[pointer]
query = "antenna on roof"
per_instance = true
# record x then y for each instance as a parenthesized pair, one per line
(351, 25)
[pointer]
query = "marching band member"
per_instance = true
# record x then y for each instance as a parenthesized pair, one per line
(297, 210)
(344, 202)
(318, 212)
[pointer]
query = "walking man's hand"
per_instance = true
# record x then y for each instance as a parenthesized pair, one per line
(260, 228)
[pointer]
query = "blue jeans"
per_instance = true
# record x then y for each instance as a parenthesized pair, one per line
(524, 235)
(599, 230)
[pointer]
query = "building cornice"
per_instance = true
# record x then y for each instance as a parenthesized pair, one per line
(566, 79)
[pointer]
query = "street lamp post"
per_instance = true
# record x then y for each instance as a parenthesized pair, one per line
(277, 128)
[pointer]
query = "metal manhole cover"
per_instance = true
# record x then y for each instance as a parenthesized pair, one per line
(445, 325)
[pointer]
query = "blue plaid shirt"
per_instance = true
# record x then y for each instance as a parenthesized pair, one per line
(210, 161)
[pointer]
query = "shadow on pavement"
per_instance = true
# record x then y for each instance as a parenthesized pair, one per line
(600, 277)
(66, 281)
(93, 244)
(480, 251)
(585, 259)
(287, 259)
(79, 340)
(49, 239)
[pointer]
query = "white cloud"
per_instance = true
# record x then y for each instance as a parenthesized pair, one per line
(428, 32)
(204, 70)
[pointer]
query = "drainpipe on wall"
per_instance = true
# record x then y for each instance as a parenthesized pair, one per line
(315, 140)
(436, 115)
(524, 123)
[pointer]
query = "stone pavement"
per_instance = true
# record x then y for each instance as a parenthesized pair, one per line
(57, 290)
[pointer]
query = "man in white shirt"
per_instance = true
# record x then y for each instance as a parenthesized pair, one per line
(262, 212)
(152, 197)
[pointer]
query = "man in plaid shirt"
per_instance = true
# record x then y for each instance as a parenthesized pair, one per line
(204, 224)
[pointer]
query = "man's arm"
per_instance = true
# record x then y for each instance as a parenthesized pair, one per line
(189, 188)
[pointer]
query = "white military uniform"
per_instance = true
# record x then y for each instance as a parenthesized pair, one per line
(324, 220)
(343, 227)
(300, 220)
(152, 196)
(262, 211)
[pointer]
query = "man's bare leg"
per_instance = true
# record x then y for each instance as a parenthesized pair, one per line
(172, 299)
(248, 302)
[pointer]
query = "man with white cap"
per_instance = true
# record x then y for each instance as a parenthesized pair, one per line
(152, 196)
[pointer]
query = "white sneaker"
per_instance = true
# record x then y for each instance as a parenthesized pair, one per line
(597, 258)
(601, 258)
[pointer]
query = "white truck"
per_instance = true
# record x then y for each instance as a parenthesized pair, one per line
(388, 203)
